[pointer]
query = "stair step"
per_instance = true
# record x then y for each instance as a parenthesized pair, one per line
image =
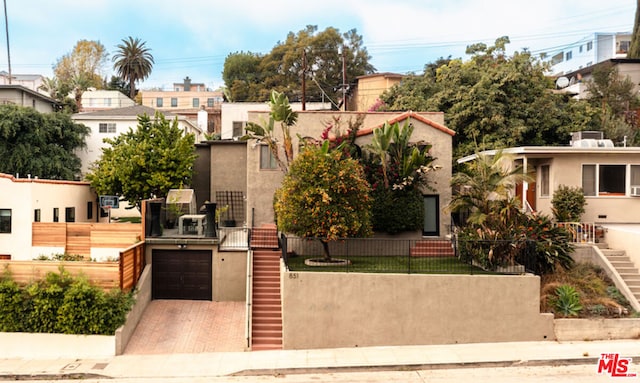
(619, 264)
(614, 253)
(630, 277)
(266, 320)
(267, 340)
(266, 347)
(267, 326)
(267, 334)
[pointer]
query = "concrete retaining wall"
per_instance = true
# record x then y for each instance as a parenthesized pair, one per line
(326, 310)
(596, 329)
(143, 298)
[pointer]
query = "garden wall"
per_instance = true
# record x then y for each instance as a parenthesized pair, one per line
(326, 310)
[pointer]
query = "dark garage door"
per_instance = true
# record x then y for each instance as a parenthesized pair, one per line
(184, 274)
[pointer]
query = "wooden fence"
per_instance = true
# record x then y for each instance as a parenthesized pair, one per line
(106, 275)
(80, 237)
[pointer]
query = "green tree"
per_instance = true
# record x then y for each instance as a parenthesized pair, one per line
(116, 83)
(568, 204)
(39, 144)
(252, 77)
(497, 99)
(280, 111)
(324, 196)
(145, 162)
(397, 170)
(133, 62)
(613, 96)
(81, 68)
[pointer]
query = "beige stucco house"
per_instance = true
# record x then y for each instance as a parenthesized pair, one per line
(247, 167)
(22, 96)
(27, 200)
(370, 87)
(609, 176)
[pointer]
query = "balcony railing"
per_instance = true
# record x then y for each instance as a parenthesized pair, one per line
(583, 232)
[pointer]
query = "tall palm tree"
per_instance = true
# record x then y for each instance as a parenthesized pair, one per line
(133, 62)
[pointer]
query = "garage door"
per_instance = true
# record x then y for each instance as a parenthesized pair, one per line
(183, 274)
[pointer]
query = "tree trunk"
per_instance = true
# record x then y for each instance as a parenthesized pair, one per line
(325, 248)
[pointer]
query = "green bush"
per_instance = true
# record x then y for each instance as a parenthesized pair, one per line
(61, 303)
(568, 204)
(566, 301)
(397, 211)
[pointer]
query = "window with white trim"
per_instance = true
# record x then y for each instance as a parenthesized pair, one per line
(609, 179)
(544, 181)
(5, 220)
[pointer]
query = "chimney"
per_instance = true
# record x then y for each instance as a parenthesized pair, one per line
(187, 84)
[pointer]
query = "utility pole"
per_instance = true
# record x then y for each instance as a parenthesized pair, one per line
(304, 78)
(6, 25)
(344, 81)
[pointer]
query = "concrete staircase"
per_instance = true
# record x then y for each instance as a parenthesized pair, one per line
(626, 268)
(432, 248)
(264, 237)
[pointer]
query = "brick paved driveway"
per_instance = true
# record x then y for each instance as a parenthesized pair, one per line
(180, 326)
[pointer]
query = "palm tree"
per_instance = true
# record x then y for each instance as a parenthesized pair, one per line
(490, 180)
(133, 62)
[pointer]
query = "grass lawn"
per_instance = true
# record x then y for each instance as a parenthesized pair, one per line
(391, 264)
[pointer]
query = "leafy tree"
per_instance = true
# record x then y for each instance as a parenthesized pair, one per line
(251, 77)
(133, 62)
(145, 162)
(397, 170)
(325, 196)
(40, 144)
(499, 100)
(81, 68)
(60, 93)
(116, 83)
(280, 112)
(613, 96)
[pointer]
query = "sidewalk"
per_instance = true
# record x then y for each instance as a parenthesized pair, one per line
(343, 359)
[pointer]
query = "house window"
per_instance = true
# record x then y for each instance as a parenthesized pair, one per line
(70, 214)
(544, 180)
(107, 127)
(36, 215)
(580, 49)
(89, 210)
(238, 128)
(210, 102)
(267, 160)
(568, 55)
(611, 179)
(196, 102)
(56, 214)
(624, 46)
(5, 220)
(603, 180)
(174, 102)
(159, 102)
(107, 102)
(589, 45)
(634, 175)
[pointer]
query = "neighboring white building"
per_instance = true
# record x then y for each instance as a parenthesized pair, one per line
(589, 51)
(19, 95)
(234, 115)
(576, 83)
(99, 99)
(110, 123)
(27, 200)
(29, 81)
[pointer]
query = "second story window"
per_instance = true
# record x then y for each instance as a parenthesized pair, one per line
(267, 160)
(5, 220)
(589, 45)
(159, 102)
(568, 55)
(210, 102)
(196, 102)
(174, 102)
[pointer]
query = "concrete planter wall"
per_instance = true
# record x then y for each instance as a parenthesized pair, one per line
(597, 329)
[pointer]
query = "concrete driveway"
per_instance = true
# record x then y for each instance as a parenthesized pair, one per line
(181, 326)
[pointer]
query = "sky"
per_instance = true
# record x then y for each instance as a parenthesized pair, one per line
(193, 37)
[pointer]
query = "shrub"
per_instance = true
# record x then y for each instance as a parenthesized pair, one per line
(61, 303)
(397, 211)
(566, 301)
(568, 204)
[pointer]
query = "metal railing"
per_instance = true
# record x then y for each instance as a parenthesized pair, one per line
(233, 238)
(582, 232)
(410, 256)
